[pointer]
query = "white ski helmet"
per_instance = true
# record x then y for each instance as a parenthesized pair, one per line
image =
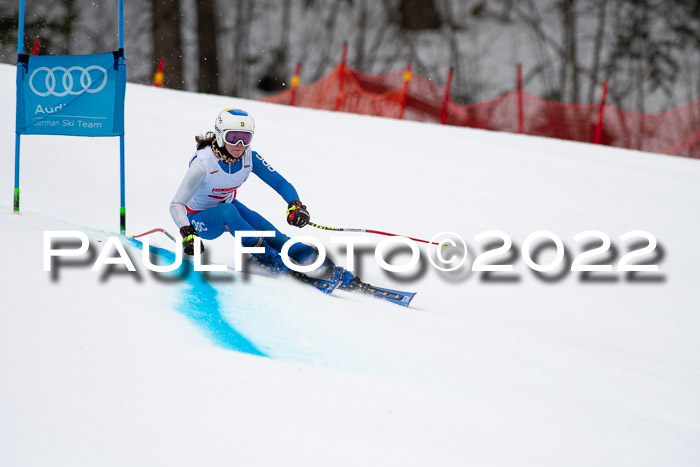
(232, 120)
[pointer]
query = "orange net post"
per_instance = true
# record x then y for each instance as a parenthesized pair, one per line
(404, 90)
(295, 84)
(159, 75)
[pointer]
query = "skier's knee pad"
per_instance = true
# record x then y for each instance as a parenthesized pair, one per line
(303, 254)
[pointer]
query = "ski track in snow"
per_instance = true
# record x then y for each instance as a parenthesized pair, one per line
(199, 302)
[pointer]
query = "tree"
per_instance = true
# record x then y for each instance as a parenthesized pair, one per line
(241, 66)
(208, 57)
(166, 40)
(597, 48)
(569, 60)
(276, 72)
(52, 23)
(418, 15)
(643, 53)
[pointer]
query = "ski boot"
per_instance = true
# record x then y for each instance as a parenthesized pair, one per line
(270, 259)
(348, 281)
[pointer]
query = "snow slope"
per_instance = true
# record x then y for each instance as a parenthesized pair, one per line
(116, 368)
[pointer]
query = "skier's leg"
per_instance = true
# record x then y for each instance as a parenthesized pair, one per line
(213, 222)
(302, 254)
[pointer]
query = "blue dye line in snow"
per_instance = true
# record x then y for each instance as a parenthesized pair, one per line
(200, 304)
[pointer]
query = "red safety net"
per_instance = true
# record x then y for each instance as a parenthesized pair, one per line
(674, 132)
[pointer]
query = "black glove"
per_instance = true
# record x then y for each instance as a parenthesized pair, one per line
(297, 215)
(188, 237)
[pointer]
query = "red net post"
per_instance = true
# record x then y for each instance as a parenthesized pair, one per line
(159, 75)
(599, 125)
(448, 85)
(520, 97)
(404, 90)
(36, 46)
(341, 78)
(295, 83)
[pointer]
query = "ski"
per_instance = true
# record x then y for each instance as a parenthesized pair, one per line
(327, 287)
(394, 296)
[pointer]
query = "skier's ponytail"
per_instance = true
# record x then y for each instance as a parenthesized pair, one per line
(205, 140)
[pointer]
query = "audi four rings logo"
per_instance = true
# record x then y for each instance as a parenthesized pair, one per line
(84, 84)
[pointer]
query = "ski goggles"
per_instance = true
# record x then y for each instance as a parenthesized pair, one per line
(234, 137)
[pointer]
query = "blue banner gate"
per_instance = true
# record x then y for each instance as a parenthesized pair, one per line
(75, 95)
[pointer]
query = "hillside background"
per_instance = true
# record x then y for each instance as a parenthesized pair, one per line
(648, 50)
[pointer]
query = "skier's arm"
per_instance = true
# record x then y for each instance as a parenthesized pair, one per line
(276, 181)
(193, 178)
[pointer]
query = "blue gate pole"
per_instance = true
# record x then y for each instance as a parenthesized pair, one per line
(16, 172)
(20, 49)
(121, 24)
(20, 32)
(122, 209)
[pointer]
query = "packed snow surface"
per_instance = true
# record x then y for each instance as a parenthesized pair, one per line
(508, 368)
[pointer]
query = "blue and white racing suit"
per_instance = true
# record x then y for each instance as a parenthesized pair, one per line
(206, 199)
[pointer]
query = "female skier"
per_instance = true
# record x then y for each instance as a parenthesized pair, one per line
(205, 204)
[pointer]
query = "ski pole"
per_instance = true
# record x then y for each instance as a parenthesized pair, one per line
(154, 231)
(378, 232)
(322, 227)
